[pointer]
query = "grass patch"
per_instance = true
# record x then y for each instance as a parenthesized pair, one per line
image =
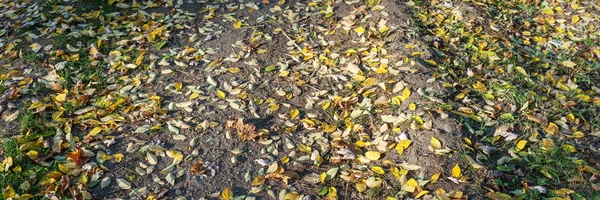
(25, 173)
(80, 72)
(511, 70)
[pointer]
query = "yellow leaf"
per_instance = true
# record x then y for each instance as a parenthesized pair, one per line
(61, 97)
(568, 63)
(412, 182)
(431, 62)
(178, 86)
(551, 128)
(177, 155)
(575, 19)
(325, 105)
(118, 157)
(322, 177)
(396, 100)
(468, 141)
(361, 187)
(194, 95)
(521, 70)
(233, 70)
(548, 11)
(422, 193)
(359, 30)
(373, 155)
(227, 194)
(94, 131)
(35, 47)
(294, 113)
(284, 73)
(521, 144)
(418, 120)
(412, 106)
(434, 177)
(435, 143)
(402, 145)
(456, 171)
(332, 193)
(569, 148)
(139, 59)
(33, 154)
(369, 82)
(359, 77)
(63, 168)
(381, 70)
(378, 170)
(237, 24)
(304, 148)
(405, 94)
(292, 196)
(259, 180)
(578, 135)
(547, 144)
(220, 94)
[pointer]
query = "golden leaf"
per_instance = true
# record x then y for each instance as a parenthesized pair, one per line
(118, 157)
(304, 148)
(435, 143)
(94, 131)
(360, 30)
(402, 145)
(227, 194)
(377, 169)
(551, 128)
(405, 94)
(521, 144)
(220, 94)
(373, 155)
(237, 24)
(412, 106)
(294, 113)
(568, 63)
(435, 177)
(456, 171)
(422, 193)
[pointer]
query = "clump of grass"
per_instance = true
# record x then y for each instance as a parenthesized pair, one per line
(81, 70)
(25, 173)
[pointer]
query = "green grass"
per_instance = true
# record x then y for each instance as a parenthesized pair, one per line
(536, 83)
(81, 70)
(35, 124)
(25, 174)
(33, 58)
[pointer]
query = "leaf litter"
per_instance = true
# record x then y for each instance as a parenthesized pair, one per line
(290, 100)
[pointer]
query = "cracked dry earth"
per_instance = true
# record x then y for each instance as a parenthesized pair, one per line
(229, 99)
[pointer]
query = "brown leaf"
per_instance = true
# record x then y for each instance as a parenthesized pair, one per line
(65, 182)
(283, 177)
(198, 168)
(78, 157)
(244, 131)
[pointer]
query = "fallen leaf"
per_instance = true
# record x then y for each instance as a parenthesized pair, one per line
(456, 171)
(435, 143)
(226, 194)
(123, 184)
(373, 155)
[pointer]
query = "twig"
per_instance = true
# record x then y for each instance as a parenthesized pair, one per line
(289, 38)
(311, 76)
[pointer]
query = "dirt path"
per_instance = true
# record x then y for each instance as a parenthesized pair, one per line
(276, 76)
